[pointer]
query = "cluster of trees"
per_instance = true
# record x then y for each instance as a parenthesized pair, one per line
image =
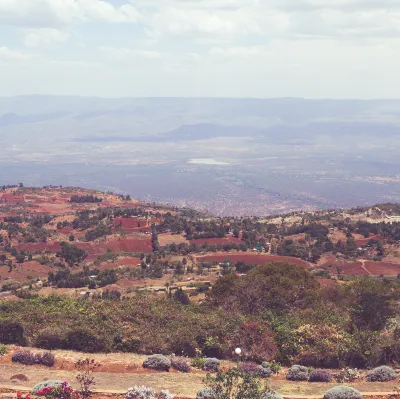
(72, 254)
(99, 231)
(90, 198)
(389, 230)
(87, 278)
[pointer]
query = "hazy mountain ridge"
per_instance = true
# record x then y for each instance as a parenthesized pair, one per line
(310, 152)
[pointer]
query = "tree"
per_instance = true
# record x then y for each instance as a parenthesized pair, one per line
(179, 269)
(181, 296)
(72, 254)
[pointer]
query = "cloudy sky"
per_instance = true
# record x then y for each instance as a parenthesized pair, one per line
(231, 48)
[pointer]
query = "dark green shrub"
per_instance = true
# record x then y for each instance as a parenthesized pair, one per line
(249, 368)
(157, 362)
(24, 356)
(180, 364)
(45, 359)
(84, 341)
(198, 362)
(234, 384)
(211, 364)
(297, 373)
(342, 392)
(265, 370)
(28, 358)
(12, 332)
(3, 349)
(381, 374)
(130, 345)
(320, 376)
(50, 339)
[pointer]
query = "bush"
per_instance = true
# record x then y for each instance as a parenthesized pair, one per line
(198, 362)
(274, 366)
(211, 364)
(265, 370)
(45, 359)
(342, 392)
(24, 356)
(84, 341)
(3, 349)
(147, 393)
(12, 333)
(347, 375)
(381, 374)
(180, 364)
(234, 384)
(271, 395)
(157, 362)
(47, 384)
(49, 339)
(28, 358)
(205, 393)
(250, 368)
(297, 373)
(320, 376)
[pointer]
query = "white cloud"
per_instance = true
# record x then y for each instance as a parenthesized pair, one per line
(11, 56)
(238, 52)
(45, 37)
(126, 54)
(205, 47)
(52, 13)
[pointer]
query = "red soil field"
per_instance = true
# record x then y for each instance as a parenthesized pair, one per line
(352, 269)
(130, 222)
(168, 238)
(385, 268)
(252, 258)
(129, 262)
(123, 245)
(53, 247)
(346, 268)
(22, 271)
(12, 199)
(216, 241)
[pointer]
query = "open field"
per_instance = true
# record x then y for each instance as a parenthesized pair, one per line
(119, 371)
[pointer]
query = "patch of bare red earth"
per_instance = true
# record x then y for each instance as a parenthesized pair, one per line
(24, 270)
(346, 268)
(254, 259)
(124, 245)
(385, 268)
(360, 242)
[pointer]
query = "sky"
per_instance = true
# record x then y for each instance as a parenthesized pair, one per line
(201, 48)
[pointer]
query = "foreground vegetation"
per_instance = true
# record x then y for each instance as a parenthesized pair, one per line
(277, 312)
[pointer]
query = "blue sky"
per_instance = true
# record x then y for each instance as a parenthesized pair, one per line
(229, 48)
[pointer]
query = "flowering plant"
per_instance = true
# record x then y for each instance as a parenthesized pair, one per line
(63, 391)
(27, 396)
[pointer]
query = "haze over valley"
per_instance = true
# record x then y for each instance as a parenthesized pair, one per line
(228, 156)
